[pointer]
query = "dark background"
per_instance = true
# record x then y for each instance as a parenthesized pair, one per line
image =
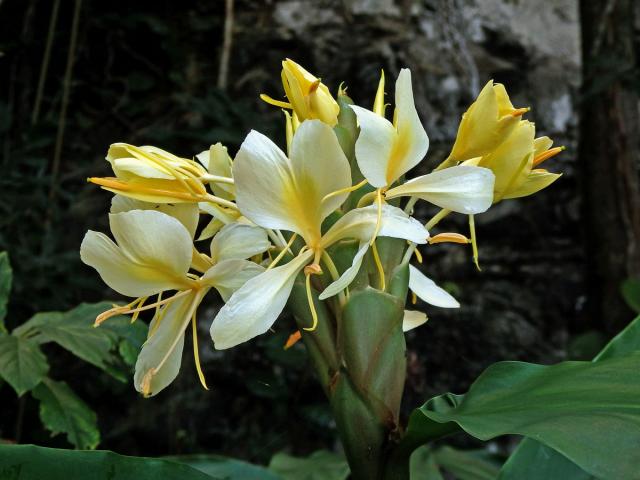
(149, 72)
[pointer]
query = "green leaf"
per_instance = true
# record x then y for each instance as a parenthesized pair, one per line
(423, 465)
(466, 465)
(552, 464)
(74, 331)
(320, 465)
(226, 468)
(29, 462)
(625, 343)
(6, 276)
(22, 364)
(534, 461)
(587, 411)
(62, 411)
(631, 293)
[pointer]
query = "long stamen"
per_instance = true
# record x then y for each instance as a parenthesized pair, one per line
(474, 244)
(312, 307)
(117, 186)
(378, 262)
(436, 218)
(220, 201)
(418, 255)
(344, 190)
(135, 315)
(127, 309)
(552, 152)
(272, 101)
(283, 252)
(217, 179)
(196, 354)
(288, 127)
(378, 218)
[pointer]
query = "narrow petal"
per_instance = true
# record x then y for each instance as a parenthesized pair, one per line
(427, 290)
(360, 223)
(541, 144)
(153, 239)
(462, 189)
(159, 360)
(374, 145)
(237, 240)
(230, 275)
(255, 307)
(263, 179)
(120, 273)
(320, 168)
(413, 319)
(217, 161)
(412, 141)
(536, 181)
(348, 275)
(186, 213)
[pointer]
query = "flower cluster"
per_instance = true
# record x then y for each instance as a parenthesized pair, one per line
(274, 217)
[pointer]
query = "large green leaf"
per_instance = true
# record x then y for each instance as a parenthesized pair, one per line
(426, 464)
(62, 411)
(74, 331)
(320, 465)
(226, 468)
(534, 461)
(587, 411)
(549, 463)
(6, 275)
(22, 364)
(29, 462)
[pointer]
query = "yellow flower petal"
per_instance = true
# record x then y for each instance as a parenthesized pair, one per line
(536, 181)
(239, 241)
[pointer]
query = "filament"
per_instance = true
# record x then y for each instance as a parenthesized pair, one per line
(376, 259)
(474, 243)
(344, 190)
(196, 354)
(312, 307)
(283, 252)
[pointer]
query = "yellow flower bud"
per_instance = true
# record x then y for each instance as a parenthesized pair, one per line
(308, 96)
(487, 123)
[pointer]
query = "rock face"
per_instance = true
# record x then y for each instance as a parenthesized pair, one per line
(530, 289)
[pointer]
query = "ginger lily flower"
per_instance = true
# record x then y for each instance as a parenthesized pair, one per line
(513, 160)
(154, 175)
(538, 178)
(485, 124)
(153, 254)
(386, 151)
(296, 194)
(308, 96)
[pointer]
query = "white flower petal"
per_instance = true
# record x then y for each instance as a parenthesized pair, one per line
(360, 223)
(320, 167)
(255, 306)
(237, 240)
(427, 290)
(230, 275)
(186, 213)
(263, 180)
(153, 239)
(413, 319)
(119, 272)
(374, 145)
(463, 189)
(348, 275)
(412, 142)
(166, 339)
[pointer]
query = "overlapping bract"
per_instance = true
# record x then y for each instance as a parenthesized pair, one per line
(274, 216)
